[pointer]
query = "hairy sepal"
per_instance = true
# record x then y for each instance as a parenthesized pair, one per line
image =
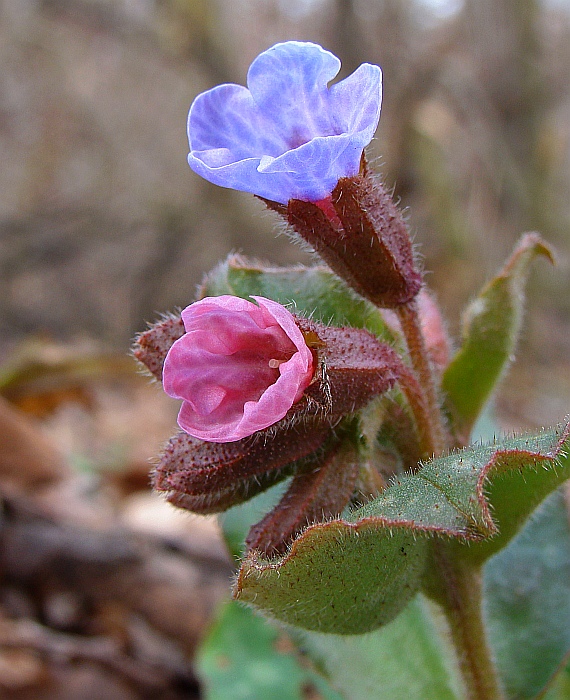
(316, 495)
(209, 477)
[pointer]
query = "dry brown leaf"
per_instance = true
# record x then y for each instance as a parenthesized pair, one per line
(27, 457)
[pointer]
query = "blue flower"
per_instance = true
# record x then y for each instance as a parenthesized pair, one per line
(287, 135)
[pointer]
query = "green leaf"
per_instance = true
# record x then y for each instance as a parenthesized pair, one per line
(405, 660)
(525, 470)
(528, 611)
(560, 687)
(244, 658)
(340, 577)
(491, 327)
(351, 576)
(311, 291)
(481, 495)
(527, 601)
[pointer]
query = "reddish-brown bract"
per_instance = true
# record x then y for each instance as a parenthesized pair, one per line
(366, 242)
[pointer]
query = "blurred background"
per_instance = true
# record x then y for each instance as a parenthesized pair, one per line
(103, 226)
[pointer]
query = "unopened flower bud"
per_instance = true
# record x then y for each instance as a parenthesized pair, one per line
(312, 496)
(209, 477)
(151, 347)
(438, 343)
(361, 235)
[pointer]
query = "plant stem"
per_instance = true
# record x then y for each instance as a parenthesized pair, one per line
(431, 422)
(417, 402)
(457, 586)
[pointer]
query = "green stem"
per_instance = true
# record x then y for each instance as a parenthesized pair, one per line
(431, 420)
(457, 587)
(417, 402)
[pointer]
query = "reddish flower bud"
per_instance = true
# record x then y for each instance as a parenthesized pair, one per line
(209, 477)
(361, 235)
(438, 343)
(312, 497)
(150, 348)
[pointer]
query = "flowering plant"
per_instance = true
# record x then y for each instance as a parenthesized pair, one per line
(350, 417)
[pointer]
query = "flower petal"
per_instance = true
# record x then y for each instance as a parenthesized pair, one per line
(289, 136)
(287, 322)
(360, 116)
(238, 368)
(227, 120)
(288, 83)
(330, 158)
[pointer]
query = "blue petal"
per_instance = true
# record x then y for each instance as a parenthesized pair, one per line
(226, 117)
(288, 136)
(357, 100)
(312, 171)
(288, 83)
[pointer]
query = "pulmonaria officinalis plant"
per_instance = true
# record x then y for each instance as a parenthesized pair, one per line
(335, 389)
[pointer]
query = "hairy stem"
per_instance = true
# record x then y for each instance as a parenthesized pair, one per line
(430, 422)
(457, 587)
(418, 404)
(455, 584)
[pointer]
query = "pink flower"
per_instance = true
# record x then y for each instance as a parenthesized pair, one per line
(238, 368)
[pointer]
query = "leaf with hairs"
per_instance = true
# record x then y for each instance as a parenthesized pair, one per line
(353, 575)
(313, 292)
(491, 327)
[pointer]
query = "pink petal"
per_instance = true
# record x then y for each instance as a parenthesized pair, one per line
(238, 369)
